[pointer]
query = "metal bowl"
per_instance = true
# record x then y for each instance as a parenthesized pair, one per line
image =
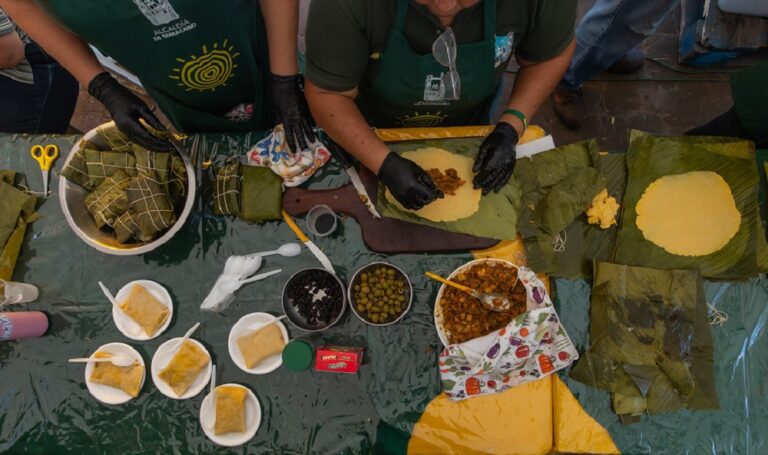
(442, 333)
(351, 294)
(292, 314)
(72, 200)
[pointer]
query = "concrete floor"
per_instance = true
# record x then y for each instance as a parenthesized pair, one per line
(658, 99)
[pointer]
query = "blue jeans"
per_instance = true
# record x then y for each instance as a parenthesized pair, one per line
(610, 29)
(43, 107)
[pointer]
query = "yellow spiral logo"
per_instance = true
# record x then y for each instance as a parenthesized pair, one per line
(424, 120)
(208, 71)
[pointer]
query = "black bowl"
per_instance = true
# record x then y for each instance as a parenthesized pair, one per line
(291, 306)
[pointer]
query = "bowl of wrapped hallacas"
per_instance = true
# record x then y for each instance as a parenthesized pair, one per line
(121, 198)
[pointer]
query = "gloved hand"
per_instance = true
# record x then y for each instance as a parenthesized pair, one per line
(495, 161)
(409, 184)
(292, 111)
(126, 109)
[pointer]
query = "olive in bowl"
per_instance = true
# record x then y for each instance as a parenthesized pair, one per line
(380, 294)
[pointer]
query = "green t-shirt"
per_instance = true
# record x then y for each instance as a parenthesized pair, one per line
(344, 36)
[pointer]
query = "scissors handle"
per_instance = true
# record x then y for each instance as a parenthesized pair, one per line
(45, 156)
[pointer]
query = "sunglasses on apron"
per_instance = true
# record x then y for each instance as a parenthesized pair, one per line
(444, 51)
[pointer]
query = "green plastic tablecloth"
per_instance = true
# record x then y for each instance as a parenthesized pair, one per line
(46, 408)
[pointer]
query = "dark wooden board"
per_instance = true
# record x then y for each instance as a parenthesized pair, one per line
(385, 235)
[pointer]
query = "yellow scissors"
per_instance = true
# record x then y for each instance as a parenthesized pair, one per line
(45, 156)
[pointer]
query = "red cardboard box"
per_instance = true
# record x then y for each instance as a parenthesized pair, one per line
(338, 359)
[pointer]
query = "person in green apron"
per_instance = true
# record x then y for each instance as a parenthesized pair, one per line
(426, 63)
(748, 117)
(210, 66)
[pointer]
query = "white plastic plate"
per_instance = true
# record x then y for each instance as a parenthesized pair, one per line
(105, 393)
(126, 325)
(163, 357)
(252, 420)
(246, 324)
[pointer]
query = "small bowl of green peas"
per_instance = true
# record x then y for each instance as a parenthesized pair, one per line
(380, 294)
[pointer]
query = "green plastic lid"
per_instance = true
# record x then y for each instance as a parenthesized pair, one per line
(297, 355)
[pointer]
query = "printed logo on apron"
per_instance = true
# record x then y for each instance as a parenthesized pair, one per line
(208, 71)
(417, 120)
(503, 48)
(159, 12)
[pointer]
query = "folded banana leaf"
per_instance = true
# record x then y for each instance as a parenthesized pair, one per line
(226, 190)
(153, 209)
(261, 197)
(109, 200)
(650, 158)
(177, 183)
(497, 215)
(650, 341)
(17, 210)
(102, 164)
(114, 138)
(573, 171)
(127, 228)
(153, 164)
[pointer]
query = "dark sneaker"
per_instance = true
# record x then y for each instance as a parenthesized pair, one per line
(569, 107)
(630, 63)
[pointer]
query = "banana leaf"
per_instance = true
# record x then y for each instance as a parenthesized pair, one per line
(109, 200)
(14, 203)
(154, 210)
(650, 341)
(568, 199)
(10, 252)
(498, 213)
(651, 157)
(579, 243)
(153, 164)
(261, 198)
(102, 164)
(114, 138)
(7, 176)
(127, 228)
(177, 183)
(226, 190)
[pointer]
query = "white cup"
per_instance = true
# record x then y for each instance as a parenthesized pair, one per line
(12, 292)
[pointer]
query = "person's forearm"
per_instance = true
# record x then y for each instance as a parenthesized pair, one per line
(67, 48)
(281, 18)
(533, 85)
(11, 50)
(339, 116)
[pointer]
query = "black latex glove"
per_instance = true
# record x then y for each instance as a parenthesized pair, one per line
(126, 109)
(496, 159)
(292, 111)
(409, 184)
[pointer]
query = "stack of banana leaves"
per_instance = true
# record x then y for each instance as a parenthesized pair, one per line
(252, 193)
(17, 210)
(133, 191)
(558, 187)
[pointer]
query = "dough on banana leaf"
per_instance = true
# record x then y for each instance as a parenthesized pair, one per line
(466, 200)
(690, 214)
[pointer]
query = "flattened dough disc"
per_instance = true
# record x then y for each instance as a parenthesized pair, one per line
(690, 214)
(463, 204)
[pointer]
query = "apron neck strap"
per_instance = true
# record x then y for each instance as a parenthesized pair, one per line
(489, 17)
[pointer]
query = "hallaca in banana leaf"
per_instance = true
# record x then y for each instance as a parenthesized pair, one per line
(177, 181)
(650, 341)
(153, 209)
(109, 200)
(102, 164)
(226, 190)
(127, 228)
(17, 210)
(497, 215)
(261, 196)
(114, 138)
(154, 164)
(687, 244)
(558, 185)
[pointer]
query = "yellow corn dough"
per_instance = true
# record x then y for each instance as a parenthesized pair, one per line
(463, 204)
(691, 214)
(183, 369)
(128, 379)
(603, 210)
(259, 344)
(230, 409)
(145, 309)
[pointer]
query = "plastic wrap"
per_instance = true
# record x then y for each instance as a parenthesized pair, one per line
(46, 407)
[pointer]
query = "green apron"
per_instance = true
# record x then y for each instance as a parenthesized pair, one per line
(406, 90)
(750, 96)
(204, 63)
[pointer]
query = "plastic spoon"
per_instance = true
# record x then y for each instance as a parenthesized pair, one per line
(119, 360)
(260, 276)
(187, 335)
(287, 250)
(494, 301)
(213, 395)
(112, 300)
